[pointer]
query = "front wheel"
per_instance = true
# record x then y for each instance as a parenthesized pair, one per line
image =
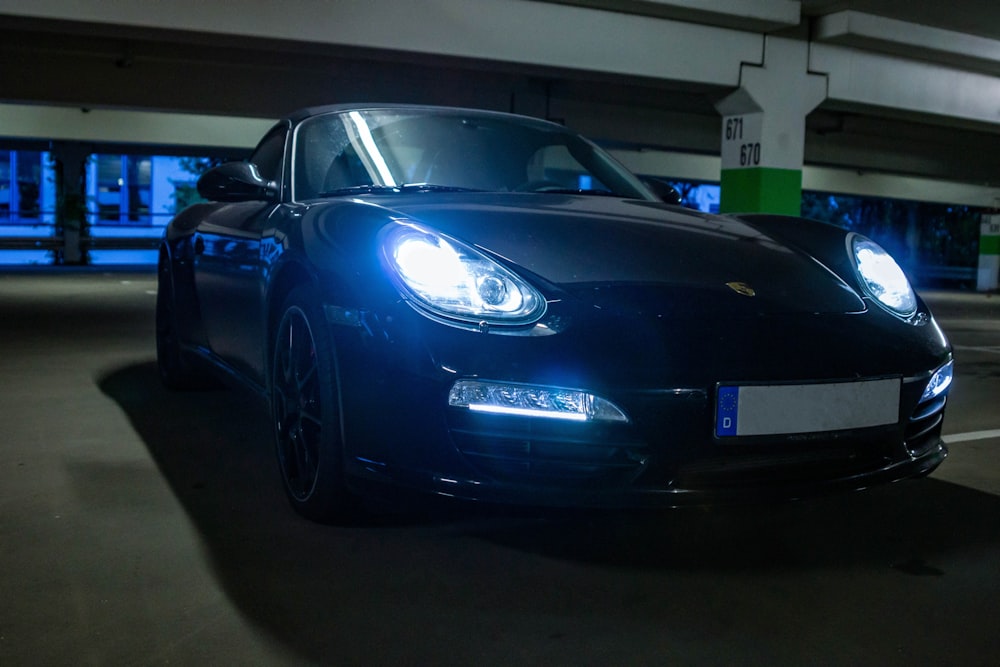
(305, 410)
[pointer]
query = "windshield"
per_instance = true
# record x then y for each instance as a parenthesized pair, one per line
(407, 150)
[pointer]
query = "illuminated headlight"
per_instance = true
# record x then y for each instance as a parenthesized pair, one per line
(881, 277)
(524, 400)
(939, 382)
(452, 280)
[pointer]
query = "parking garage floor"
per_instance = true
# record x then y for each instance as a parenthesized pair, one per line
(144, 527)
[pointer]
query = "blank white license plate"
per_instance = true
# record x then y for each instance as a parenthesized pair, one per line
(805, 408)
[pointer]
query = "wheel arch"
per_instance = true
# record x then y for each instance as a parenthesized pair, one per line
(289, 276)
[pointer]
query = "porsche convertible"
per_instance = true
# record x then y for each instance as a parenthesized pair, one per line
(490, 307)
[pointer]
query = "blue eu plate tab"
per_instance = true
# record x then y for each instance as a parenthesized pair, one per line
(727, 407)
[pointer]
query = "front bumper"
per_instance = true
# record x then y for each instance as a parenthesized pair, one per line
(666, 456)
(749, 490)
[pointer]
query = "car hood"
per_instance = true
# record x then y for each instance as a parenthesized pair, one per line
(639, 255)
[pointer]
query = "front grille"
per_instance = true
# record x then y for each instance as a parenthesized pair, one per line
(529, 450)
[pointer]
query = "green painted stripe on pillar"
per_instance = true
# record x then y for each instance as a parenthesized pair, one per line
(761, 190)
(989, 245)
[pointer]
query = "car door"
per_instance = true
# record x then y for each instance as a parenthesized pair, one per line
(228, 272)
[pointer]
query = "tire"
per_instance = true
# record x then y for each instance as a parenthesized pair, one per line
(175, 369)
(306, 411)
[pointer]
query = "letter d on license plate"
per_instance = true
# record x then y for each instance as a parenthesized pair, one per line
(753, 410)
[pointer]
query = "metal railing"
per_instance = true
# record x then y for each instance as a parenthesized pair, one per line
(37, 232)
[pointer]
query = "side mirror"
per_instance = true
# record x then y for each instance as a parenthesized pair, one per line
(236, 181)
(663, 191)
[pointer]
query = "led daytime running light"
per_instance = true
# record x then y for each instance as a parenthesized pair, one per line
(532, 401)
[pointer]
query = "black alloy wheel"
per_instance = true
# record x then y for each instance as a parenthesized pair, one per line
(305, 410)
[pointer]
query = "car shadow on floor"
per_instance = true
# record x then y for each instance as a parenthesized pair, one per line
(423, 572)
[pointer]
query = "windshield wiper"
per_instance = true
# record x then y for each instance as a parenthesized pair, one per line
(360, 190)
(372, 189)
(573, 191)
(433, 187)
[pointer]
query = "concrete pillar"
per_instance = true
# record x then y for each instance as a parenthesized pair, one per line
(70, 159)
(989, 254)
(763, 130)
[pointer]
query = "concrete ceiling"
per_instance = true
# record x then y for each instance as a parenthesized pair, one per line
(975, 17)
(73, 62)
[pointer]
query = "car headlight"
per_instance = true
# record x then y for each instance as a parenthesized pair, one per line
(881, 276)
(450, 280)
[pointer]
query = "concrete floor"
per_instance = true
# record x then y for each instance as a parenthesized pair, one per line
(143, 527)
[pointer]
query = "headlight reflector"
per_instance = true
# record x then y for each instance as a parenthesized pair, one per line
(881, 276)
(453, 280)
(508, 398)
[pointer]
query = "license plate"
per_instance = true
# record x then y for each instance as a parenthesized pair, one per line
(753, 410)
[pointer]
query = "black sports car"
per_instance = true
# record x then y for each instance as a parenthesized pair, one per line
(488, 306)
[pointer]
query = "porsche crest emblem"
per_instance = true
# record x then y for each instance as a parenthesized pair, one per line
(741, 288)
